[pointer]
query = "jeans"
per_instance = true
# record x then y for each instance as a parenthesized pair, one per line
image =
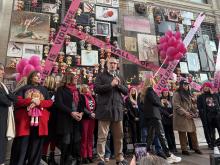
(156, 141)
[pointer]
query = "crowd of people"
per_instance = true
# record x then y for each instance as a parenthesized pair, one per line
(83, 120)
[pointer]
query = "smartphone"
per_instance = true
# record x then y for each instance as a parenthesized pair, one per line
(140, 150)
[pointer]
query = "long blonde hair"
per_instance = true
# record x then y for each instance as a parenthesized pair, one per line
(149, 82)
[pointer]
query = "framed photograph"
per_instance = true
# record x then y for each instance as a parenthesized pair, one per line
(89, 57)
(173, 15)
(130, 44)
(147, 47)
(106, 2)
(140, 150)
(71, 49)
(49, 8)
(89, 7)
(203, 77)
(137, 24)
(184, 68)
(32, 49)
(115, 3)
(106, 13)
(14, 49)
(193, 62)
(83, 19)
(103, 28)
(165, 26)
(30, 27)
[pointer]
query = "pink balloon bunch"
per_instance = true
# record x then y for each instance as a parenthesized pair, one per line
(25, 66)
(171, 46)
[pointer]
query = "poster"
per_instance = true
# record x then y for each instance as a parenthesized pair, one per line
(137, 24)
(147, 47)
(193, 62)
(30, 27)
(184, 68)
(49, 8)
(106, 14)
(130, 44)
(89, 57)
(14, 49)
(71, 49)
(103, 28)
(32, 49)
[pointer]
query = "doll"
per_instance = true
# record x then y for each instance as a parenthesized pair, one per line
(33, 110)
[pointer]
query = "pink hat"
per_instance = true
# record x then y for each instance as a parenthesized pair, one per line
(207, 84)
(165, 90)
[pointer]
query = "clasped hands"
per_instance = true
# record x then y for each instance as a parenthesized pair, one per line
(77, 115)
(116, 81)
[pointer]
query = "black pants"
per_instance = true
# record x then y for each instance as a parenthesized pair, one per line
(27, 148)
(169, 134)
(206, 128)
(136, 132)
(3, 139)
(213, 122)
(155, 127)
(70, 146)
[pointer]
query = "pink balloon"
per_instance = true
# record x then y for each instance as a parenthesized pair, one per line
(18, 77)
(170, 58)
(169, 34)
(34, 60)
(172, 42)
(27, 69)
(160, 46)
(162, 40)
(38, 68)
(178, 56)
(171, 51)
(20, 66)
(178, 35)
(163, 54)
(165, 47)
(181, 48)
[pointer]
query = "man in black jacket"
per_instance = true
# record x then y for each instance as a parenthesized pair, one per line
(109, 88)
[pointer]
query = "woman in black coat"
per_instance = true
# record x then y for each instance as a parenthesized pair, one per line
(152, 118)
(167, 118)
(68, 120)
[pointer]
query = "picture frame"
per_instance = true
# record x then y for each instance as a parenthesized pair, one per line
(184, 68)
(103, 28)
(130, 44)
(147, 48)
(71, 49)
(49, 8)
(137, 24)
(32, 49)
(104, 13)
(30, 27)
(193, 62)
(89, 57)
(105, 2)
(14, 49)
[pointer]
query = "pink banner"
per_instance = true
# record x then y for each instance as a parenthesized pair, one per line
(59, 40)
(172, 65)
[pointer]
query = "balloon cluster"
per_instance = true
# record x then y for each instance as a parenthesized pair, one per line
(171, 46)
(25, 66)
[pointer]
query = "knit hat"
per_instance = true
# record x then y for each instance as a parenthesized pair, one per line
(164, 90)
(207, 84)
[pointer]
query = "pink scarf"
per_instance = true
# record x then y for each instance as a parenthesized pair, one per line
(75, 93)
(89, 97)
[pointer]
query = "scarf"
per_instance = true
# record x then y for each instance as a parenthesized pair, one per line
(88, 98)
(75, 93)
(10, 133)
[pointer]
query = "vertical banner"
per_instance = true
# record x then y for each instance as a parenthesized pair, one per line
(172, 65)
(59, 40)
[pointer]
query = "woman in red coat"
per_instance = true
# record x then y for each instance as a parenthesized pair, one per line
(31, 128)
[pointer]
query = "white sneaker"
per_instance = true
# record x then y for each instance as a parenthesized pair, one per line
(106, 159)
(216, 150)
(173, 159)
